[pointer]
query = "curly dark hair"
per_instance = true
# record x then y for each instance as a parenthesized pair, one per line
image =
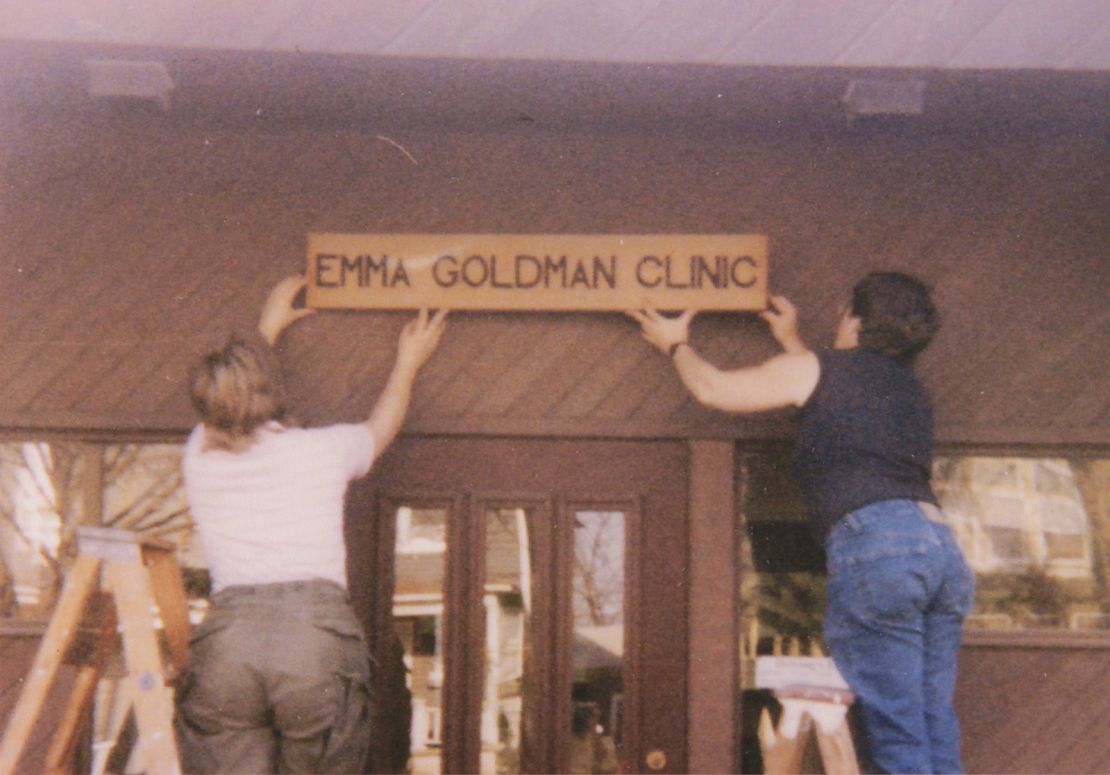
(897, 316)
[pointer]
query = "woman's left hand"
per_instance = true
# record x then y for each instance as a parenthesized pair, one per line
(419, 339)
(278, 312)
(661, 331)
(782, 317)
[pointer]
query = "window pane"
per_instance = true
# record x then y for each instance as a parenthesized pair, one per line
(31, 530)
(1063, 515)
(418, 621)
(507, 598)
(1061, 546)
(1008, 546)
(1035, 530)
(421, 531)
(1025, 526)
(598, 603)
(48, 488)
(144, 492)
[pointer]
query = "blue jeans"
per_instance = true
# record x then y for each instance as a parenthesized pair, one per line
(898, 591)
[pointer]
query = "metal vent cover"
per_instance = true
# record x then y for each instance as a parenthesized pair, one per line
(130, 78)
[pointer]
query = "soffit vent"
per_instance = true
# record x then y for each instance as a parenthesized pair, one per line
(130, 79)
(879, 97)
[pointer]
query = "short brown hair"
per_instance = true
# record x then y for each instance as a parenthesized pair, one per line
(235, 390)
(897, 315)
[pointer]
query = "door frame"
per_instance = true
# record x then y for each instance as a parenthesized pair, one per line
(640, 476)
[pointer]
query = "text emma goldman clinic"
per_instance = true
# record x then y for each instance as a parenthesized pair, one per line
(540, 272)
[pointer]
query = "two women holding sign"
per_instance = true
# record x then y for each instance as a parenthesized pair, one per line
(279, 676)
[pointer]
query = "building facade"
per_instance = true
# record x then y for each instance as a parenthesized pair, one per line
(563, 547)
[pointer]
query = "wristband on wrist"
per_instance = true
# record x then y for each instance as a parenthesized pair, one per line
(674, 348)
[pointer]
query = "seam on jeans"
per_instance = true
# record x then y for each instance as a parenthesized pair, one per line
(915, 550)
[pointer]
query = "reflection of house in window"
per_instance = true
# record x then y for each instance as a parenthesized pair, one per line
(421, 544)
(421, 531)
(506, 598)
(418, 635)
(1012, 514)
(598, 584)
(418, 609)
(424, 636)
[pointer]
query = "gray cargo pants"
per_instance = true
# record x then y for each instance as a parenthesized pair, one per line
(278, 682)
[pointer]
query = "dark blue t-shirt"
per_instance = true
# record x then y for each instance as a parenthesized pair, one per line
(865, 435)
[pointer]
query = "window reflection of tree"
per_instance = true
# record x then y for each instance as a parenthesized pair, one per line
(48, 488)
(598, 568)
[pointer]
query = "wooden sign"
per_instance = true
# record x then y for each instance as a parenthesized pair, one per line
(538, 272)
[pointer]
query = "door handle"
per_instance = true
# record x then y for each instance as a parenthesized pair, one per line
(656, 759)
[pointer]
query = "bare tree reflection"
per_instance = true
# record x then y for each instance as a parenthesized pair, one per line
(598, 568)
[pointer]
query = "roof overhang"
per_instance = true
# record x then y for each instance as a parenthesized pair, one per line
(925, 34)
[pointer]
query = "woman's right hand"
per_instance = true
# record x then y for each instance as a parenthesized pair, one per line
(661, 331)
(419, 338)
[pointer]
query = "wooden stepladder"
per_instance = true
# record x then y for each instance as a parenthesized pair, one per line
(816, 706)
(136, 574)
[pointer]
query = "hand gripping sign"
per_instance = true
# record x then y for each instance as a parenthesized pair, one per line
(538, 272)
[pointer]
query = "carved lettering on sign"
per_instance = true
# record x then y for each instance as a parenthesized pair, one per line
(541, 272)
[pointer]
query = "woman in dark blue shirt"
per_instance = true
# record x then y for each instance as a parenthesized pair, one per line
(898, 587)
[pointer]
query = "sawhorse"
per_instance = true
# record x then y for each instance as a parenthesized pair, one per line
(136, 573)
(804, 709)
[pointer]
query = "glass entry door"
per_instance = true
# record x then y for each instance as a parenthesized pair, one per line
(514, 592)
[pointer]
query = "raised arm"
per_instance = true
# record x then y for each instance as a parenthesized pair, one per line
(418, 341)
(784, 380)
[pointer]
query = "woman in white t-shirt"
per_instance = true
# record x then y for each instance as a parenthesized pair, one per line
(279, 676)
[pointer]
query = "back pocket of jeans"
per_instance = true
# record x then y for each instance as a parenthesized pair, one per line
(891, 589)
(338, 623)
(348, 744)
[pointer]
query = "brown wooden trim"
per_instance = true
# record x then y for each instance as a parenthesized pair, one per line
(1091, 440)
(470, 594)
(384, 572)
(65, 426)
(654, 431)
(1035, 639)
(634, 662)
(19, 628)
(562, 632)
(92, 483)
(541, 698)
(719, 426)
(1074, 451)
(459, 703)
(93, 436)
(714, 637)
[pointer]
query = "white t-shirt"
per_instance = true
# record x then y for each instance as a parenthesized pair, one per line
(274, 512)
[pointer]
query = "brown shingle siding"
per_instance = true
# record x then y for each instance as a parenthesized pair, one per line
(142, 238)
